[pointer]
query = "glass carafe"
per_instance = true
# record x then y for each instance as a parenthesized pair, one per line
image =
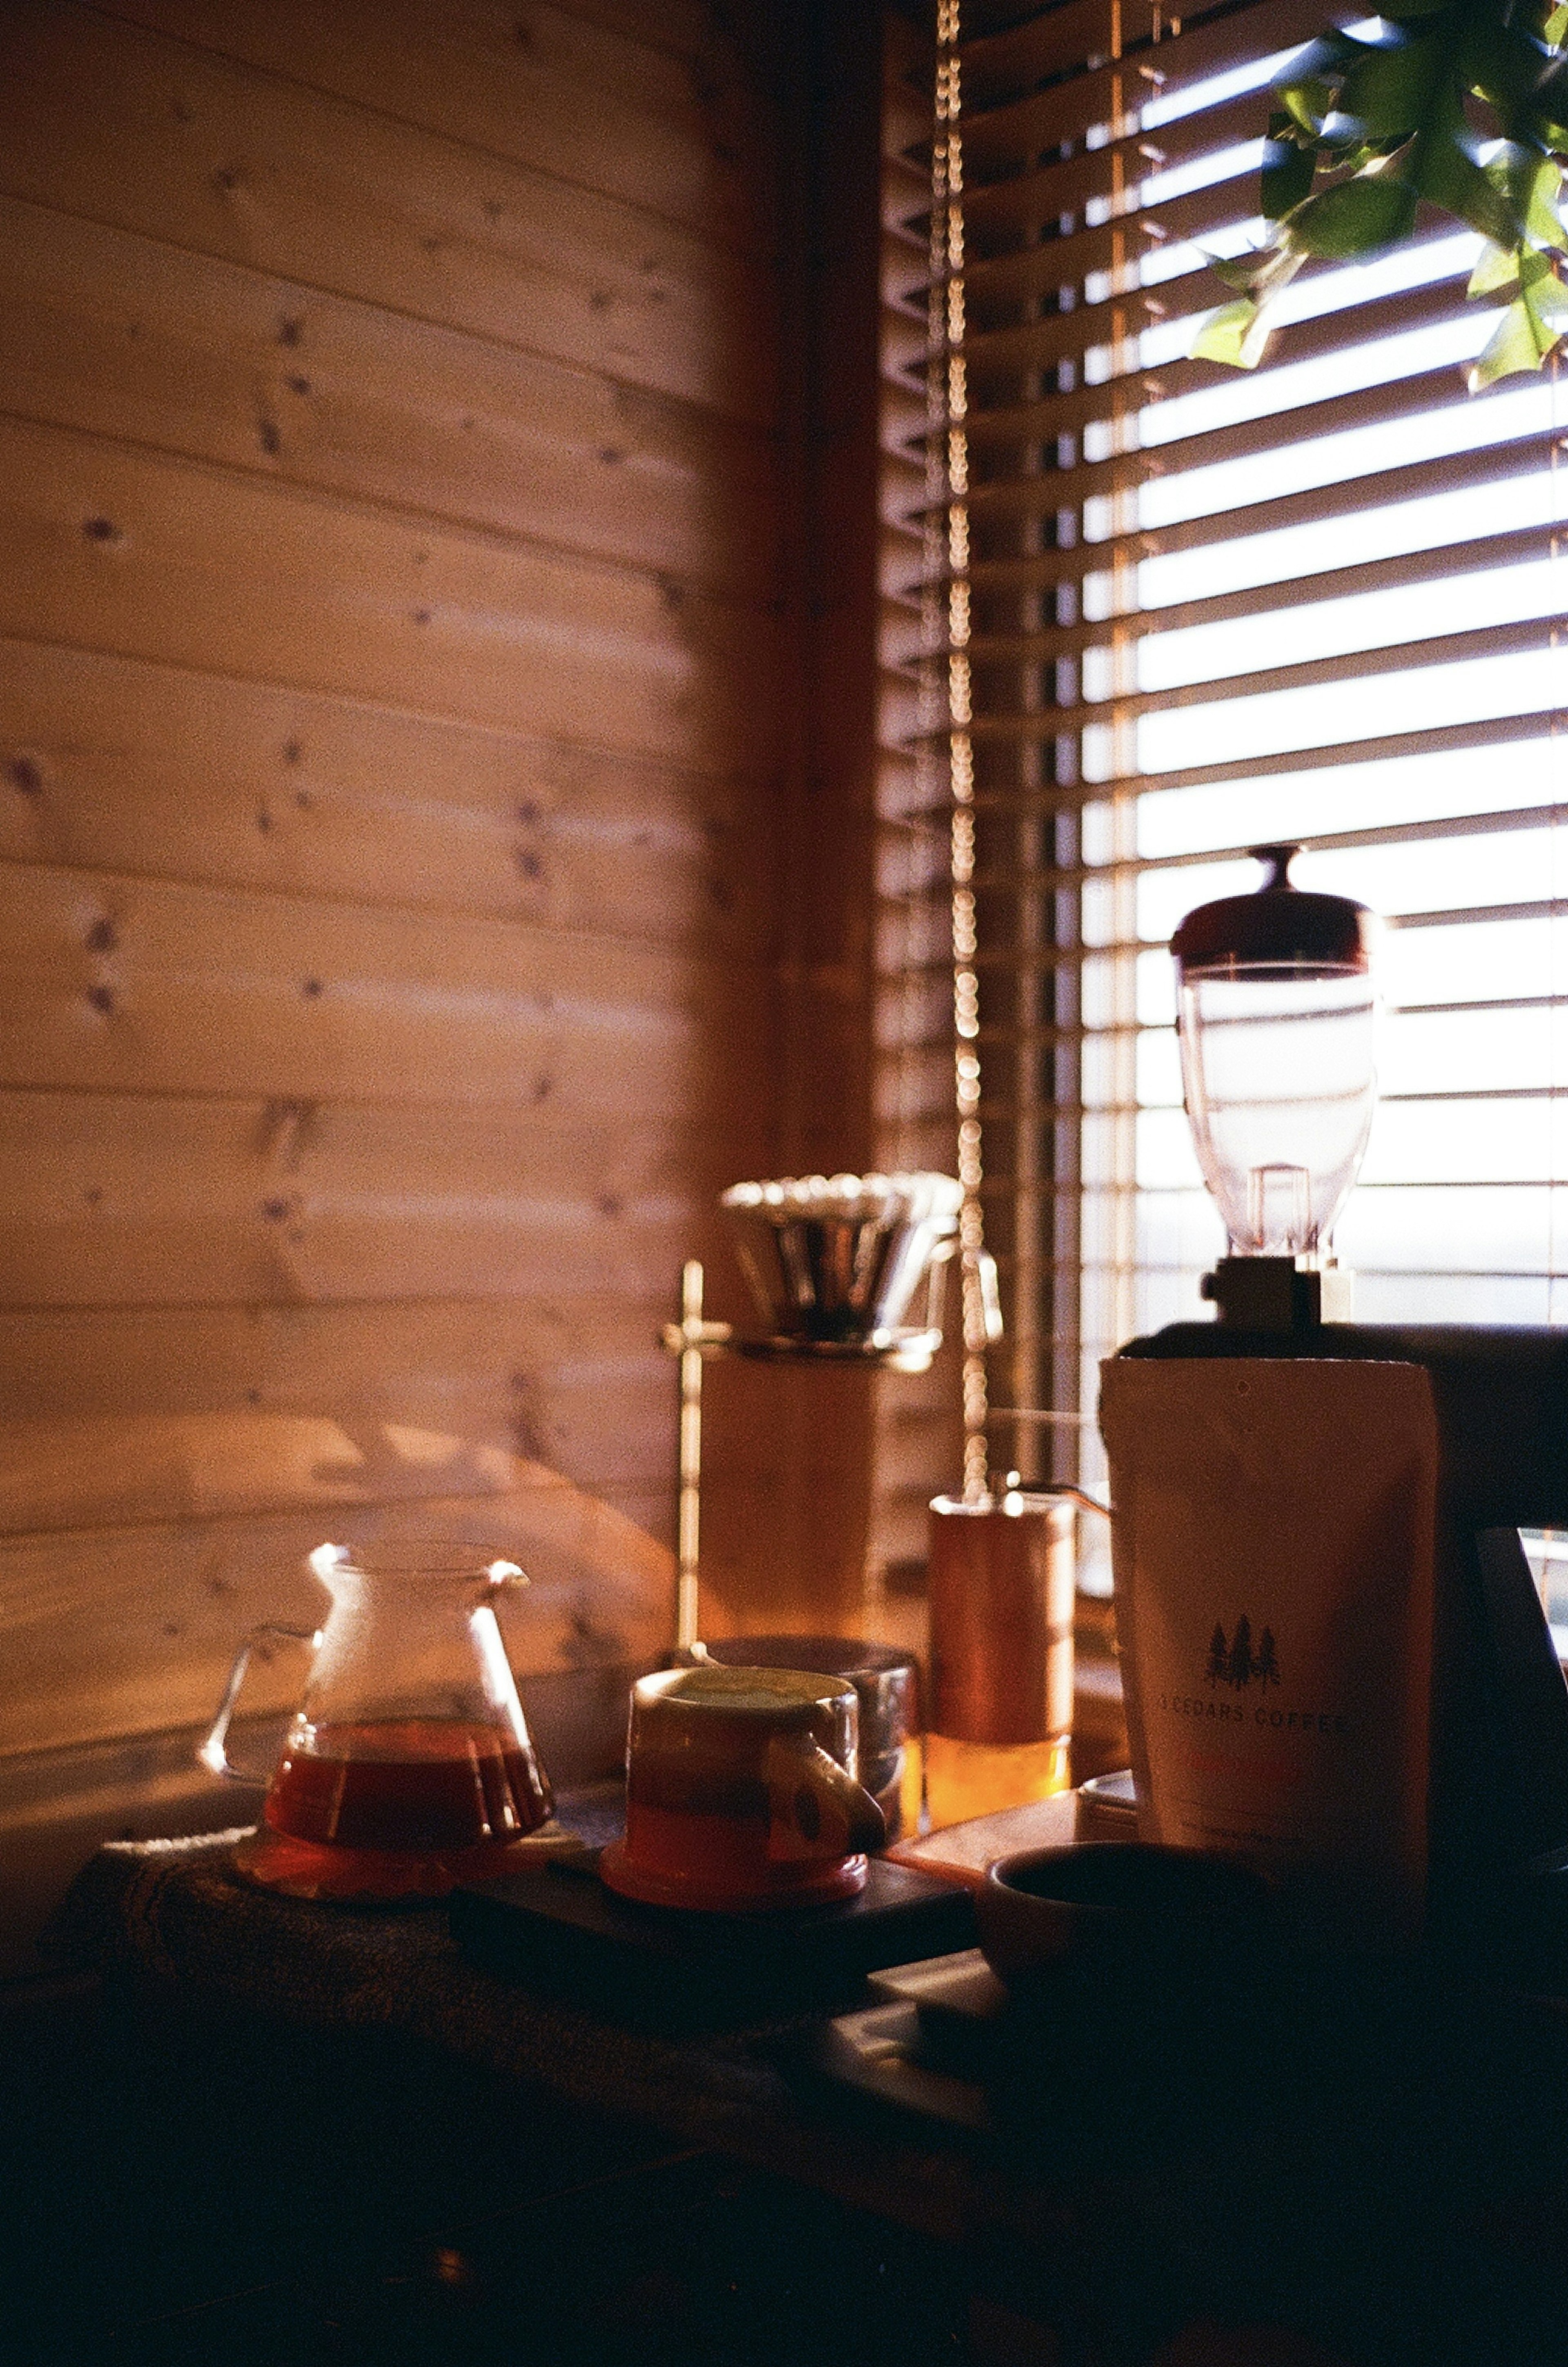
(408, 1767)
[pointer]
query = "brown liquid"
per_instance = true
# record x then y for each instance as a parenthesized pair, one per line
(976, 1779)
(417, 1784)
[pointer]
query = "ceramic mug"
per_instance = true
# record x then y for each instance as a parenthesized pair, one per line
(742, 1791)
(888, 1681)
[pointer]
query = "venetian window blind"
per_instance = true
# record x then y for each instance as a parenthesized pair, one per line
(1157, 612)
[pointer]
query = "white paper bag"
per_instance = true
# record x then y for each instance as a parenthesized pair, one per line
(1273, 1542)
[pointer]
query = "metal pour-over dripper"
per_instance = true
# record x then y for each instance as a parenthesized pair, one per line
(1276, 1019)
(835, 1261)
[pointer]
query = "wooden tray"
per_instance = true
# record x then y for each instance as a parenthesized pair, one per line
(669, 1969)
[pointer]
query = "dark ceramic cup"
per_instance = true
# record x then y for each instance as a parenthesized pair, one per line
(1137, 2011)
(1133, 1905)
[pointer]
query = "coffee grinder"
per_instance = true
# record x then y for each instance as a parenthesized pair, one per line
(1454, 1706)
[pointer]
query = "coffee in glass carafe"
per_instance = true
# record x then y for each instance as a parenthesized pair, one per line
(408, 1767)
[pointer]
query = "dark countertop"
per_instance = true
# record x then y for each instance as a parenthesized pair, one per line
(377, 2087)
(260, 2130)
(172, 1915)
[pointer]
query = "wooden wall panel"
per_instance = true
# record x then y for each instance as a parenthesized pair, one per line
(152, 1202)
(123, 551)
(116, 765)
(424, 440)
(133, 338)
(597, 1591)
(121, 984)
(576, 1384)
(685, 27)
(102, 119)
(534, 83)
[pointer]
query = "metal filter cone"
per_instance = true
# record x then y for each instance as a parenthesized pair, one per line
(838, 1258)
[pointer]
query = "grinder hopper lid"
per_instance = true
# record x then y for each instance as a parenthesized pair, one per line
(1278, 923)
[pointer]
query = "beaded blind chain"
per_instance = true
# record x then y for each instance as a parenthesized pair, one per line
(947, 626)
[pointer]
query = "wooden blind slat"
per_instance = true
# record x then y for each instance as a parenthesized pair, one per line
(1211, 38)
(1082, 87)
(1533, 722)
(1064, 336)
(996, 214)
(1055, 430)
(1447, 648)
(1402, 570)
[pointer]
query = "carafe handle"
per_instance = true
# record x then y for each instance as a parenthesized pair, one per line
(214, 1752)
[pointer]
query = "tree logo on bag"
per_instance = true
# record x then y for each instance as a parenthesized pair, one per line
(1238, 1662)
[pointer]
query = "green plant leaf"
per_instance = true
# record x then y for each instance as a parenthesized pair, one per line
(1358, 217)
(1528, 183)
(1545, 300)
(1530, 329)
(1260, 273)
(1234, 334)
(1287, 171)
(1543, 224)
(1236, 270)
(1498, 269)
(1502, 67)
(1443, 170)
(1327, 55)
(1512, 347)
(1307, 103)
(1388, 91)
(1548, 99)
(1387, 122)
(1356, 158)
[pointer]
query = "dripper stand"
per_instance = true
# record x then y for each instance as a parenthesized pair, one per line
(696, 1341)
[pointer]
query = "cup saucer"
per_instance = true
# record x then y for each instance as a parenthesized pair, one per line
(798, 1886)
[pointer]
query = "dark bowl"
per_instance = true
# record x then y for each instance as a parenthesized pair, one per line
(1119, 1904)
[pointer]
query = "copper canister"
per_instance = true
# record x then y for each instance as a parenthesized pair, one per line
(1001, 1589)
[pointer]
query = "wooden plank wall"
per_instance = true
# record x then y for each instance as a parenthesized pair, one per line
(401, 676)
(788, 1542)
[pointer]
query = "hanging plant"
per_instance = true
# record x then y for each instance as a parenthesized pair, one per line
(1463, 106)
